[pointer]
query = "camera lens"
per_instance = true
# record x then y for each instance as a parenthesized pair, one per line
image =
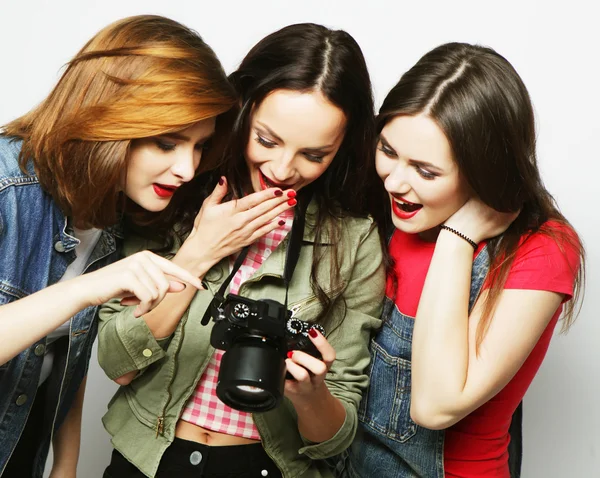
(252, 374)
(251, 389)
(248, 398)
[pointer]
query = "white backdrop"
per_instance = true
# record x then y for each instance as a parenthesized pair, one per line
(551, 44)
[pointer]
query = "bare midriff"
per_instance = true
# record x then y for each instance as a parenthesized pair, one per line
(191, 432)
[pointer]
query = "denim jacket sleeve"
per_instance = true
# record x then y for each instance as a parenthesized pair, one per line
(347, 377)
(125, 342)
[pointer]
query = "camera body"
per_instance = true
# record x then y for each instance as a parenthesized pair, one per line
(268, 319)
(256, 335)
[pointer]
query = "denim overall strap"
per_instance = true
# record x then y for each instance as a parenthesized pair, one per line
(481, 266)
(388, 442)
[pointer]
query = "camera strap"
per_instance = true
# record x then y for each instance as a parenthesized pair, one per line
(295, 242)
(291, 258)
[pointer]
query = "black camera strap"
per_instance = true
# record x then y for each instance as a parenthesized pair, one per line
(291, 258)
(295, 242)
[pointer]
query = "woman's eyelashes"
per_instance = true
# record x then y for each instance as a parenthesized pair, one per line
(385, 149)
(390, 153)
(165, 145)
(424, 173)
(313, 157)
(264, 142)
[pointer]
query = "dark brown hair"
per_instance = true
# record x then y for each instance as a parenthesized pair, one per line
(308, 57)
(481, 104)
(139, 77)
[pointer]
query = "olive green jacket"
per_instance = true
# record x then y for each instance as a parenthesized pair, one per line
(142, 415)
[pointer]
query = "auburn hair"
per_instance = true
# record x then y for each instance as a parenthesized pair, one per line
(139, 77)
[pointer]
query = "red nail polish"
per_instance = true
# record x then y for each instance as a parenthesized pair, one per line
(291, 194)
(279, 193)
(290, 353)
(292, 202)
(221, 181)
(281, 223)
(313, 332)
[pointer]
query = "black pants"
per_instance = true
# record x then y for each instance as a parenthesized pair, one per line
(20, 464)
(515, 447)
(185, 459)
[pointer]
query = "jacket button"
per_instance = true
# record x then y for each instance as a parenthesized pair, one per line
(264, 473)
(39, 350)
(21, 399)
(195, 458)
(58, 247)
(147, 353)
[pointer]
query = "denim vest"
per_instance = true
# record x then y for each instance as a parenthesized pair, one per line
(388, 442)
(36, 246)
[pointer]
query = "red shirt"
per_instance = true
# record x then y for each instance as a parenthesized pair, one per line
(477, 445)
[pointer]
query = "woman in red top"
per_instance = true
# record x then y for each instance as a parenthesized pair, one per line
(484, 266)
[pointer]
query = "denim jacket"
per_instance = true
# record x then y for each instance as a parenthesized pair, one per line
(143, 415)
(36, 246)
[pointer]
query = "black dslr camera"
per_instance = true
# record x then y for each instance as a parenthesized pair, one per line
(257, 335)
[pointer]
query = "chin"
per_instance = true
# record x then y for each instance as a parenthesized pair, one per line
(406, 227)
(156, 207)
(152, 206)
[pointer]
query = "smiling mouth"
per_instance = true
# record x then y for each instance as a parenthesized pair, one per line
(405, 205)
(266, 182)
(164, 190)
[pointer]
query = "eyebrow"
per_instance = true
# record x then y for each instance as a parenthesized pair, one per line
(415, 161)
(277, 138)
(178, 136)
(183, 137)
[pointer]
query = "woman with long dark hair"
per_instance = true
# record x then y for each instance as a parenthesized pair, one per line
(485, 264)
(304, 128)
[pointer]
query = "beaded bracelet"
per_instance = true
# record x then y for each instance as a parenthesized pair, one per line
(460, 234)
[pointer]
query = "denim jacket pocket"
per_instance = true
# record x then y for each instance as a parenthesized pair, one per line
(386, 406)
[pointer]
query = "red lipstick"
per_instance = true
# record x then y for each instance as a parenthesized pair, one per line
(163, 190)
(402, 213)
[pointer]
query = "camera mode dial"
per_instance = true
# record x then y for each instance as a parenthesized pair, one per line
(241, 311)
(319, 327)
(296, 326)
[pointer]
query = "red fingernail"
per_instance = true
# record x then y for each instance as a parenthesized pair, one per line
(290, 353)
(221, 181)
(313, 332)
(291, 194)
(279, 193)
(292, 202)
(281, 223)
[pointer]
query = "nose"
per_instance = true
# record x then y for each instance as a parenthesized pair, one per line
(283, 167)
(398, 180)
(185, 165)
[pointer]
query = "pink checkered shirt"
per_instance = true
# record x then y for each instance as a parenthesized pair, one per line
(204, 407)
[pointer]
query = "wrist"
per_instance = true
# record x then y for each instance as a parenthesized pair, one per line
(453, 244)
(197, 264)
(457, 232)
(80, 291)
(318, 398)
